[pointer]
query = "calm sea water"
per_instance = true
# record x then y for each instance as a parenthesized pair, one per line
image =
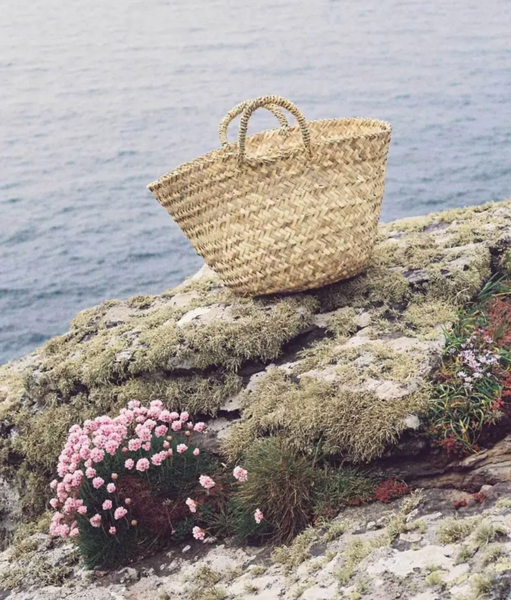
(98, 98)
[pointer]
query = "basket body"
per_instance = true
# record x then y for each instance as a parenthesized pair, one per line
(284, 219)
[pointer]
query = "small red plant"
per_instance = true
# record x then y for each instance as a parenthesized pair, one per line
(459, 503)
(451, 446)
(390, 489)
(479, 497)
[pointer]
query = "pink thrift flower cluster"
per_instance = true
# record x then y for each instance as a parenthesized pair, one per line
(240, 474)
(258, 516)
(140, 434)
(198, 533)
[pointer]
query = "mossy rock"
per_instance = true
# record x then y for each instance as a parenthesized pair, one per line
(335, 376)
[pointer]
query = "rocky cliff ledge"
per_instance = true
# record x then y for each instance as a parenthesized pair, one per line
(351, 365)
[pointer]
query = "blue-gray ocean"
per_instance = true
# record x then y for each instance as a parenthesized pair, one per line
(98, 98)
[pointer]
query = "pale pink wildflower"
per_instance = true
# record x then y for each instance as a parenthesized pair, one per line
(90, 473)
(192, 505)
(165, 416)
(111, 446)
(110, 488)
(182, 448)
(95, 521)
(82, 510)
(240, 474)
(135, 444)
(161, 430)
(196, 452)
(176, 426)
(198, 533)
(174, 416)
(206, 482)
(258, 516)
(53, 484)
(157, 459)
(200, 426)
(97, 455)
(147, 446)
(129, 464)
(74, 533)
(54, 502)
(97, 482)
(120, 512)
(142, 464)
(166, 445)
(107, 505)
(112, 530)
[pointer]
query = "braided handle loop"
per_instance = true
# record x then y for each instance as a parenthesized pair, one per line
(265, 101)
(238, 109)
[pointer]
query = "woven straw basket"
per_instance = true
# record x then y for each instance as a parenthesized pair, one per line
(287, 209)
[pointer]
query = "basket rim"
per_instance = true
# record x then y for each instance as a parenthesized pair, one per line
(231, 150)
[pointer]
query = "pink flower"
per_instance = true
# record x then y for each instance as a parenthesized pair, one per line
(97, 482)
(165, 416)
(174, 416)
(143, 433)
(112, 530)
(133, 404)
(129, 464)
(82, 510)
(258, 516)
(184, 416)
(206, 482)
(142, 464)
(157, 459)
(53, 484)
(120, 512)
(85, 453)
(74, 533)
(199, 426)
(135, 444)
(90, 473)
(54, 502)
(161, 430)
(240, 474)
(107, 505)
(182, 448)
(176, 426)
(192, 505)
(111, 446)
(166, 445)
(110, 488)
(95, 521)
(97, 455)
(147, 446)
(196, 452)
(198, 533)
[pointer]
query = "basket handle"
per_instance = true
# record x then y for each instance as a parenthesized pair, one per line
(265, 101)
(238, 109)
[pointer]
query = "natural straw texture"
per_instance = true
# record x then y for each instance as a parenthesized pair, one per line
(287, 209)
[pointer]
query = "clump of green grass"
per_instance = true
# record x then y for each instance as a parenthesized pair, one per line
(485, 533)
(297, 552)
(452, 530)
(465, 553)
(281, 485)
(493, 553)
(434, 578)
